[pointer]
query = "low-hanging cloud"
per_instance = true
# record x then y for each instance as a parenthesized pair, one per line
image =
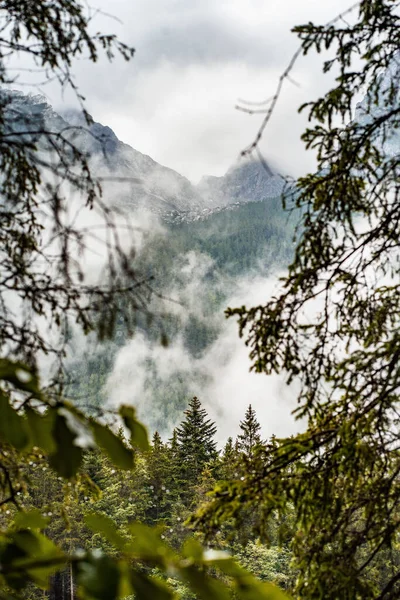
(220, 376)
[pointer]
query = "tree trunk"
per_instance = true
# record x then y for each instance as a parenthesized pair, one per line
(71, 583)
(56, 585)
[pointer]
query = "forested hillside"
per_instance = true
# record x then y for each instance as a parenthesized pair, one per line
(248, 239)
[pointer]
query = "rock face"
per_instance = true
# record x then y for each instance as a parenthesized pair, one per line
(131, 179)
(134, 179)
(387, 137)
(249, 181)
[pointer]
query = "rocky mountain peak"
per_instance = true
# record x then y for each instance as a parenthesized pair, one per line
(247, 181)
(132, 180)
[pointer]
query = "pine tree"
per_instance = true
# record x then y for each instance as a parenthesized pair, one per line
(173, 443)
(250, 438)
(161, 481)
(229, 451)
(175, 464)
(229, 460)
(196, 444)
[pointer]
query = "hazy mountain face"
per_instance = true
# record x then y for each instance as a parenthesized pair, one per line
(249, 181)
(132, 180)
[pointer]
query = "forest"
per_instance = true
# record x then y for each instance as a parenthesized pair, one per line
(162, 490)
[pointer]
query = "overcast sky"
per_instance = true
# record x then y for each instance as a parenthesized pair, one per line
(175, 101)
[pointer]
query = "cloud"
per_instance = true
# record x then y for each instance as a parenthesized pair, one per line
(175, 100)
(220, 377)
(232, 387)
(249, 31)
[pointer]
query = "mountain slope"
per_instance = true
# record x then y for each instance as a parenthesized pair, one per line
(132, 180)
(248, 181)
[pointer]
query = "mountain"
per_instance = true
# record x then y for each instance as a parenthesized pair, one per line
(380, 101)
(214, 236)
(249, 181)
(133, 180)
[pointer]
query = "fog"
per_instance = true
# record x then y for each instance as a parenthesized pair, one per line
(221, 376)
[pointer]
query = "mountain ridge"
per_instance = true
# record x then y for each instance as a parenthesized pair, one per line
(142, 182)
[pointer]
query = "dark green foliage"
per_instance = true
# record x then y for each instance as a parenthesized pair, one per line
(195, 439)
(249, 438)
(99, 513)
(102, 512)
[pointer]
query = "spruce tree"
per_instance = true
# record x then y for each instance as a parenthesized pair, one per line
(229, 460)
(196, 444)
(161, 481)
(175, 470)
(249, 439)
(173, 443)
(229, 450)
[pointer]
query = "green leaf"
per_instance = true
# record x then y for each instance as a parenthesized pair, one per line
(260, 590)
(204, 586)
(41, 429)
(7, 596)
(193, 549)
(138, 431)
(68, 457)
(246, 585)
(35, 544)
(148, 545)
(227, 565)
(116, 450)
(149, 588)
(32, 519)
(35, 557)
(21, 376)
(98, 577)
(102, 524)
(13, 428)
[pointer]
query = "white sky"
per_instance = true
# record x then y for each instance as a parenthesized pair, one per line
(175, 100)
